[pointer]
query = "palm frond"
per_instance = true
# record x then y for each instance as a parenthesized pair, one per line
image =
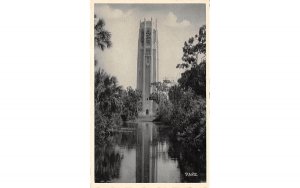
(102, 37)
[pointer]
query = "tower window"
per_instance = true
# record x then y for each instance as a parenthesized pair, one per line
(148, 37)
(148, 60)
(142, 36)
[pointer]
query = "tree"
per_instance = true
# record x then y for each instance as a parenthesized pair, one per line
(175, 93)
(102, 37)
(194, 78)
(108, 103)
(191, 51)
(195, 75)
(189, 97)
(160, 91)
(160, 96)
(112, 103)
(131, 103)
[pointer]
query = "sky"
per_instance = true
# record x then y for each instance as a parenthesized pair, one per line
(176, 23)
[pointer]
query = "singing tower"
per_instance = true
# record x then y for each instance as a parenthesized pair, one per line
(147, 64)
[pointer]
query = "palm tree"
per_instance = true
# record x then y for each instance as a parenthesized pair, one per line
(107, 92)
(102, 37)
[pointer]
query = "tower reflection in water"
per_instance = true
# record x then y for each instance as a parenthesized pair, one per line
(146, 153)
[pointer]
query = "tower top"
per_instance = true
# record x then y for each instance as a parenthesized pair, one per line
(148, 23)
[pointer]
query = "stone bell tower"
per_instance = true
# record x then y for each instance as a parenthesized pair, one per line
(147, 64)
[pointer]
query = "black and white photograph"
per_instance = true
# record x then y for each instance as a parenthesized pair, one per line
(150, 93)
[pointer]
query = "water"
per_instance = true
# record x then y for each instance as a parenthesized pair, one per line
(145, 153)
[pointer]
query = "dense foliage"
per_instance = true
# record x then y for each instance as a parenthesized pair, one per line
(112, 104)
(194, 78)
(184, 108)
(132, 103)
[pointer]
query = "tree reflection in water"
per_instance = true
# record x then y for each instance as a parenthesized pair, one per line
(190, 162)
(152, 144)
(189, 159)
(107, 161)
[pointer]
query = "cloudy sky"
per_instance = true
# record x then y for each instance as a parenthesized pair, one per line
(176, 23)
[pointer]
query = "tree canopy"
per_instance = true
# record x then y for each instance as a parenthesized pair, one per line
(102, 37)
(191, 51)
(195, 75)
